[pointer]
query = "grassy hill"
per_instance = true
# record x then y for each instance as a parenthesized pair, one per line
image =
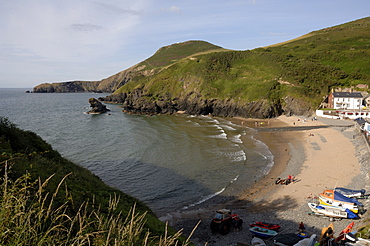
(291, 77)
(48, 200)
(170, 54)
(165, 56)
(305, 68)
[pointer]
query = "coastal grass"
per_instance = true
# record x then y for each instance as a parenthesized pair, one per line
(28, 216)
(81, 195)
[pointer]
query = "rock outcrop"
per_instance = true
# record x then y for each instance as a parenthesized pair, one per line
(97, 107)
(108, 85)
(138, 102)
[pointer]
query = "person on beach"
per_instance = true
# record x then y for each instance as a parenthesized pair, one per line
(291, 178)
(301, 227)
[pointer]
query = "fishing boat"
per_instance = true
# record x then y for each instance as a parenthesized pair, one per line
(270, 226)
(262, 232)
(350, 192)
(334, 198)
(256, 241)
(332, 211)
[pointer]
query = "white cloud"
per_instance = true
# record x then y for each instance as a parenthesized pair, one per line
(62, 30)
(172, 9)
(114, 9)
(91, 39)
(86, 27)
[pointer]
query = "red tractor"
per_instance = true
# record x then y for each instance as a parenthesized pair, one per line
(224, 220)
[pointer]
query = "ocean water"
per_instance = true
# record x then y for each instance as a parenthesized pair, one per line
(170, 162)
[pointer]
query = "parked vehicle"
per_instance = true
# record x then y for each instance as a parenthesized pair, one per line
(224, 220)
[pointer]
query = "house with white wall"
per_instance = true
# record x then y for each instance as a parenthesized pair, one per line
(345, 100)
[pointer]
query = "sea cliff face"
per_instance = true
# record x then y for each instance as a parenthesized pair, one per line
(138, 102)
(108, 85)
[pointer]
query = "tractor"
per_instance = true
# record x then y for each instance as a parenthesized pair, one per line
(224, 220)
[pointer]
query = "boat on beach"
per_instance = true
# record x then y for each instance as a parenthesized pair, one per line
(287, 239)
(262, 232)
(334, 198)
(270, 226)
(332, 211)
(326, 233)
(256, 241)
(351, 193)
(309, 241)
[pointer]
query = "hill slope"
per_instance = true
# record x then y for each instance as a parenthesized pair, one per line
(165, 56)
(199, 78)
(290, 78)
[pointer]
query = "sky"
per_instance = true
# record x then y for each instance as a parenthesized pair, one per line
(46, 41)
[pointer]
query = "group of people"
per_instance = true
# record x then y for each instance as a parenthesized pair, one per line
(287, 181)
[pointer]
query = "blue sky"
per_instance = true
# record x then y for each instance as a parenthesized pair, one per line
(63, 40)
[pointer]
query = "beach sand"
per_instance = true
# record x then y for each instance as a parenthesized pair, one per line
(325, 158)
(319, 158)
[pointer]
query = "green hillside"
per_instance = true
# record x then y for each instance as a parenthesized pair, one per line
(170, 54)
(305, 69)
(84, 208)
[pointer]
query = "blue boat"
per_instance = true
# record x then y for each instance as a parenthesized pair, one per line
(262, 232)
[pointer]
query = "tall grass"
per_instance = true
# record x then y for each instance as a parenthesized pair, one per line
(28, 216)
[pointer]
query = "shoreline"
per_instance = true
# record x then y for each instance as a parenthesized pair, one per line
(278, 144)
(297, 152)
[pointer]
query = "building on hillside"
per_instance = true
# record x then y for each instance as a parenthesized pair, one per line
(345, 100)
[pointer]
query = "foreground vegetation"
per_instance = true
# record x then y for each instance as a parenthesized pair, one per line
(47, 200)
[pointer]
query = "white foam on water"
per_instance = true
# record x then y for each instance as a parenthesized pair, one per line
(221, 136)
(236, 138)
(266, 154)
(210, 196)
(228, 127)
(206, 198)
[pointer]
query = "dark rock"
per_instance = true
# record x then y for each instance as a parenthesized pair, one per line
(97, 107)
(140, 102)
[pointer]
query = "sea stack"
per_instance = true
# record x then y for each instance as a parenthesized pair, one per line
(97, 107)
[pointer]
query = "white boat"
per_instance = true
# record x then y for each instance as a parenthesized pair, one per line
(256, 241)
(310, 241)
(351, 193)
(334, 198)
(328, 211)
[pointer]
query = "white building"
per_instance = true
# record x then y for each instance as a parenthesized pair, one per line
(345, 100)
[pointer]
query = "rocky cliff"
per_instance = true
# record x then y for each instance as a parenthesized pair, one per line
(108, 85)
(97, 107)
(139, 102)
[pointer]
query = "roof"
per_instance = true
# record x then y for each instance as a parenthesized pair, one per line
(348, 94)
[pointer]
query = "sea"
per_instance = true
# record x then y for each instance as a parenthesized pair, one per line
(170, 162)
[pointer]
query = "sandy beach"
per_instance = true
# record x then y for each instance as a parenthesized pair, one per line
(332, 156)
(328, 161)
